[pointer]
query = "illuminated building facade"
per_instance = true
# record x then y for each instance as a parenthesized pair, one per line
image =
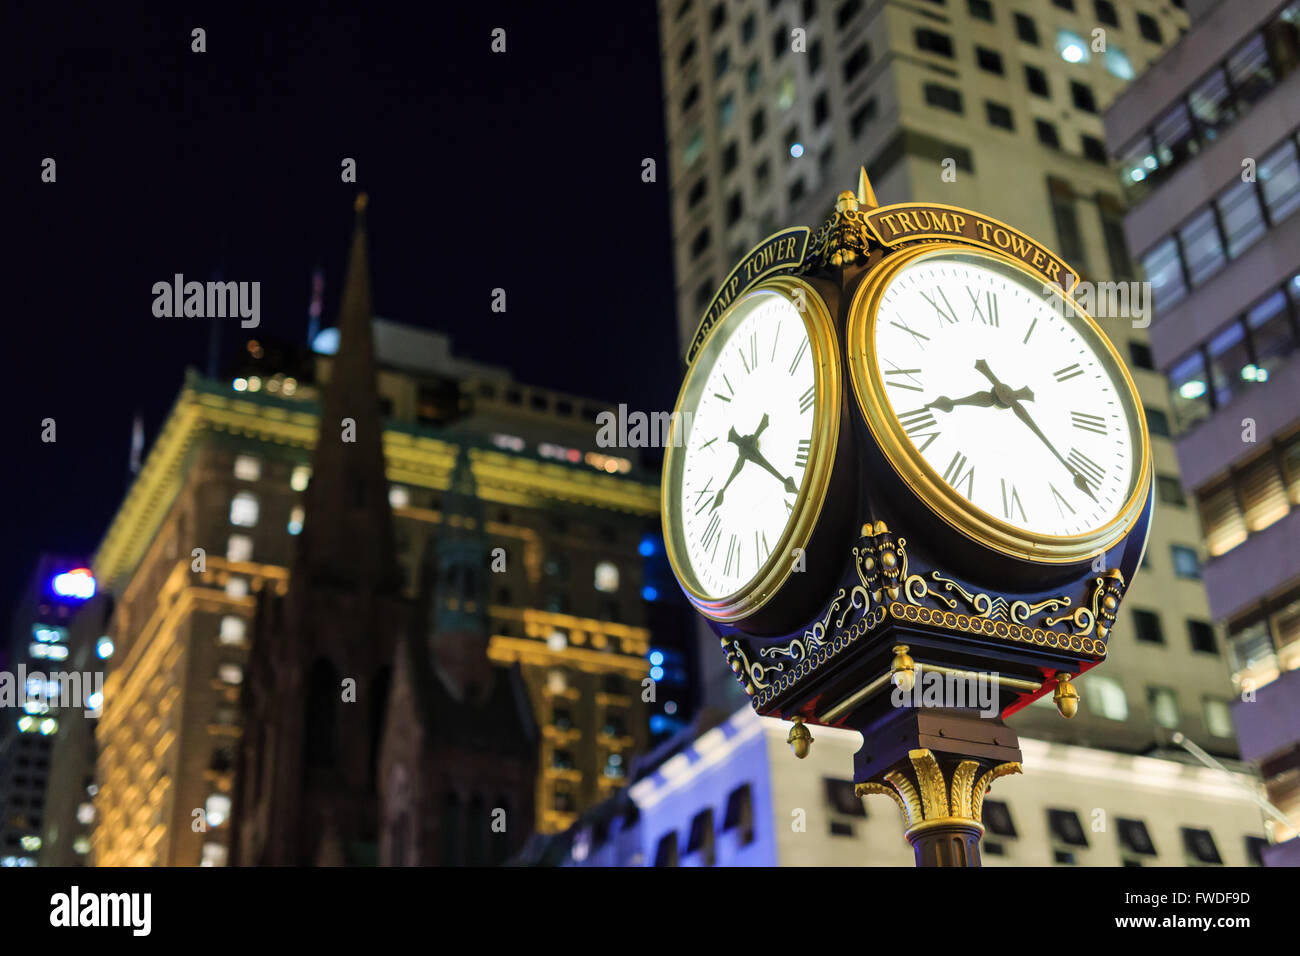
(730, 793)
(227, 475)
(1207, 146)
(42, 687)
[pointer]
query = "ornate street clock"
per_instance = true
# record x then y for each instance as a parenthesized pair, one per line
(902, 446)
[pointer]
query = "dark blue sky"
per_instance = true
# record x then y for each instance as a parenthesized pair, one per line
(520, 171)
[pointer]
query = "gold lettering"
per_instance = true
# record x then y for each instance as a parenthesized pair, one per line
(958, 223)
(905, 220)
(940, 221)
(1038, 258)
(889, 221)
(1020, 247)
(1052, 269)
(1001, 238)
(984, 229)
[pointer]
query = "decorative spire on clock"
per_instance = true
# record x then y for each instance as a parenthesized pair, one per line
(844, 238)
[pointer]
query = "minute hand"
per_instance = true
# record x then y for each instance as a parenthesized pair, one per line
(1079, 481)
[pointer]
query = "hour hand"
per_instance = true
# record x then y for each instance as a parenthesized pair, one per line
(740, 463)
(980, 399)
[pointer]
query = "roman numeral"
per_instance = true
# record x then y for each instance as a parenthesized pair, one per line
(776, 338)
(752, 362)
(1067, 373)
(1086, 466)
(733, 552)
(917, 424)
(807, 398)
(801, 456)
(917, 337)
(989, 313)
(1010, 504)
(908, 373)
(945, 311)
(1089, 423)
(953, 474)
(803, 348)
(1031, 330)
(730, 391)
(761, 549)
(703, 494)
(711, 532)
(1061, 504)
(708, 443)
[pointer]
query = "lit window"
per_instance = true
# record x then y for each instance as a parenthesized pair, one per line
(300, 477)
(231, 673)
(1186, 562)
(104, 648)
(86, 813)
(239, 547)
(48, 634)
(48, 652)
(248, 468)
(243, 510)
(1106, 697)
(233, 629)
(218, 809)
(295, 520)
(31, 843)
(81, 845)
(1218, 719)
(1118, 65)
(237, 587)
(214, 854)
(558, 641)
(50, 726)
(1164, 706)
(607, 576)
(1071, 47)
(399, 497)
(556, 681)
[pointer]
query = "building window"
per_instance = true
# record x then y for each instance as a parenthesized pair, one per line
(1146, 626)
(821, 109)
(1139, 355)
(1093, 149)
(1186, 563)
(757, 125)
(300, 477)
(296, 516)
(1026, 31)
(1243, 222)
(606, 576)
(1218, 717)
(1221, 518)
(1133, 836)
(1149, 28)
(701, 243)
(233, 630)
(697, 193)
(739, 815)
(1163, 703)
(248, 468)
(1199, 845)
(691, 98)
(1279, 177)
(1083, 99)
(1164, 270)
(980, 10)
(863, 115)
(1105, 11)
(239, 547)
(1106, 697)
(1036, 81)
(1170, 490)
(1066, 828)
(856, 63)
(236, 586)
(243, 510)
(231, 674)
(943, 97)
(931, 41)
(846, 12)
(1201, 634)
(1202, 246)
(998, 115)
(997, 817)
(701, 837)
(988, 60)
(666, 851)
(1157, 423)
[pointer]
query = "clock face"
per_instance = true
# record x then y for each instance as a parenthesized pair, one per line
(751, 411)
(1007, 398)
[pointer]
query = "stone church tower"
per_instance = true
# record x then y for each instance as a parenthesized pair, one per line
(458, 767)
(316, 690)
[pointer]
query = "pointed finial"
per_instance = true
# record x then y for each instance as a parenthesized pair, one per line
(360, 204)
(866, 195)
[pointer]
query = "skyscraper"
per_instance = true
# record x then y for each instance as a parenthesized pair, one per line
(1207, 145)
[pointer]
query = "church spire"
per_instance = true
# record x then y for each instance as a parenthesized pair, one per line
(347, 536)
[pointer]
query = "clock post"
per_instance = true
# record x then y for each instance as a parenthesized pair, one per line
(915, 487)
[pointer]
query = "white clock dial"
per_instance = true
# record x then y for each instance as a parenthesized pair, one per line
(748, 444)
(1014, 401)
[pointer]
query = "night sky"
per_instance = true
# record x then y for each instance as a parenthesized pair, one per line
(519, 170)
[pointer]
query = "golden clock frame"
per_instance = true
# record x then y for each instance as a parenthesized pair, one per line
(925, 483)
(828, 379)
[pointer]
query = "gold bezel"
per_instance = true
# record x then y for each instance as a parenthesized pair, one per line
(917, 473)
(824, 349)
